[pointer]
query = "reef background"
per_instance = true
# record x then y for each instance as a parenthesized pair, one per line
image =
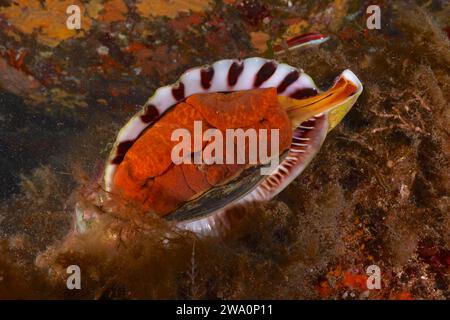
(377, 193)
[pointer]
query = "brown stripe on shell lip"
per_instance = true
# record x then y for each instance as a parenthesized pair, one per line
(122, 149)
(289, 79)
(264, 73)
(178, 91)
(206, 75)
(234, 72)
(151, 114)
(304, 93)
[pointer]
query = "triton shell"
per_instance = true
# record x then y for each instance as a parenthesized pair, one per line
(228, 76)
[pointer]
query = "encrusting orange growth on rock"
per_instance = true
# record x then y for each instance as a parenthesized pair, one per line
(147, 174)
